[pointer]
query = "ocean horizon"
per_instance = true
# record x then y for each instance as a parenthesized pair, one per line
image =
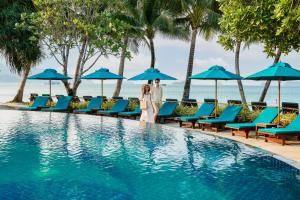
(171, 90)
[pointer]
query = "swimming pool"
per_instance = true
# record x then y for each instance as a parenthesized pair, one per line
(60, 156)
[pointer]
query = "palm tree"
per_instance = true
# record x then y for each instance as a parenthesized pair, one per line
(200, 17)
(155, 17)
(145, 18)
(132, 38)
(18, 45)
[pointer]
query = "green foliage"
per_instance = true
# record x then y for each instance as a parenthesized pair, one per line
(255, 21)
(286, 119)
(198, 15)
(108, 105)
(248, 115)
(88, 29)
(132, 105)
(79, 105)
(16, 43)
(185, 110)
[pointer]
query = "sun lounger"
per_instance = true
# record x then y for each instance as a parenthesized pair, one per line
(132, 114)
(205, 110)
(120, 106)
(62, 105)
(267, 116)
(279, 134)
(93, 105)
(39, 103)
(227, 116)
(167, 110)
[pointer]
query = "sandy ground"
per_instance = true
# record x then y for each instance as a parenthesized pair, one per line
(289, 153)
(11, 105)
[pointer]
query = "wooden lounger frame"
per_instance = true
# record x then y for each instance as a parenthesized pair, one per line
(241, 131)
(278, 138)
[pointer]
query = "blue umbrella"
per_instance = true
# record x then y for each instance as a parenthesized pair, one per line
(102, 74)
(49, 74)
(216, 73)
(277, 72)
(152, 74)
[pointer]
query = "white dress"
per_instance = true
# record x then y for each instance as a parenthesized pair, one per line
(147, 115)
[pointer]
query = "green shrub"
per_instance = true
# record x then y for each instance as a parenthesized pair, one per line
(247, 115)
(132, 105)
(108, 105)
(286, 119)
(79, 105)
(185, 110)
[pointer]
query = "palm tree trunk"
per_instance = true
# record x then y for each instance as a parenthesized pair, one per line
(121, 68)
(268, 83)
(19, 96)
(152, 50)
(187, 84)
(73, 91)
(237, 71)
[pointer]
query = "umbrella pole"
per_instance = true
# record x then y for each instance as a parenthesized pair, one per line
(102, 88)
(216, 97)
(279, 101)
(50, 88)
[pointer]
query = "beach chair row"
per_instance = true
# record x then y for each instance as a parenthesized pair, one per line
(94, 106)
(263, 125)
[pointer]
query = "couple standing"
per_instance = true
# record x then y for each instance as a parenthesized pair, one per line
(151, 101)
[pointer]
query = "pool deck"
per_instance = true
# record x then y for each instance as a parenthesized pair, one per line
(289, 153)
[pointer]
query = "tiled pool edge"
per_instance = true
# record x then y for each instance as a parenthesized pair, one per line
(226, 135)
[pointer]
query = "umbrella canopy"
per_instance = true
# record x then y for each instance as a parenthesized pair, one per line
(216, 73)
(49, 74)
(102, 74)
(280, 71)
(152, 74)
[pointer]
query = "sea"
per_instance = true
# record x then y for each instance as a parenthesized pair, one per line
(289, 93)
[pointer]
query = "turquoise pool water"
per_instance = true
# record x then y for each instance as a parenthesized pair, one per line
(59, 156)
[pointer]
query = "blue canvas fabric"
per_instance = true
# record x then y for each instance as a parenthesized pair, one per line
(152, 74)
(266, 116)
(62, 104)
(206, 109)
(120, 106)
(95, 103)
(228, 115)
(40, 101)
(167, 109)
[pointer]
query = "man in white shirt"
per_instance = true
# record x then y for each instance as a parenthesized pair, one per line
(156, 95)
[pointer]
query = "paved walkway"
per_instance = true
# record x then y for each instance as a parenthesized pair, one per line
(289, 153)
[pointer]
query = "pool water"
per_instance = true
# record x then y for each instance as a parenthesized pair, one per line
(60, 156)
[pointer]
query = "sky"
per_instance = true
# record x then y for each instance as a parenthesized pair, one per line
(172, 58)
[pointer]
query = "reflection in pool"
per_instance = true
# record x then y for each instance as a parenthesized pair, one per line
(59, 156)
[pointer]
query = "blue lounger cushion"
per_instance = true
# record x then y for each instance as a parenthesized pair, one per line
(266, 116)
(228, 115)
(40, 101)
(293, 127)
(62, 104)
(95, 103)
(206, 109)
(136, 111)
(167, 109)
(120, 106)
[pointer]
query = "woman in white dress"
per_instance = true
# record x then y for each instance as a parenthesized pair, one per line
(147, 105)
